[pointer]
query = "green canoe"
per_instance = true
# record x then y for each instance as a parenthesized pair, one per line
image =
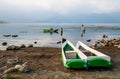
(70, 56)
(94, 57)
(50, 30)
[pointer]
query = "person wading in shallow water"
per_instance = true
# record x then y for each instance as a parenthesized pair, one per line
(51, 29)
(83, 30)
(61, 31)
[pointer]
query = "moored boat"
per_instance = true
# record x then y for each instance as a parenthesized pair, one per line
(50, 30)
(72, 58)
(94, 57)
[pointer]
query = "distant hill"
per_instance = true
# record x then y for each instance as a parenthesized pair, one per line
(2, 22)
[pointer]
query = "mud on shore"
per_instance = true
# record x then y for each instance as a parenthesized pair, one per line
(46, 61)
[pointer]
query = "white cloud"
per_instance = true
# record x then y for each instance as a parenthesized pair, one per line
(64, 6)
(104, 6)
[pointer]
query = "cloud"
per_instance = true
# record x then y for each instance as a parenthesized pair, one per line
(52, 10)
(65, 6)
(105, 6)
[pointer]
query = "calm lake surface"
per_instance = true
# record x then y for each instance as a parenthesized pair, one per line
(28, 33)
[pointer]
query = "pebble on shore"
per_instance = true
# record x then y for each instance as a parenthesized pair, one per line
(104, 43)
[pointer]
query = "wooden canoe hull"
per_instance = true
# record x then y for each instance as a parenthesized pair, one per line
(76, 62)
(99, 60)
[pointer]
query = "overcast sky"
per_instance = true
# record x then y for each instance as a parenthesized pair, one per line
(60, 10)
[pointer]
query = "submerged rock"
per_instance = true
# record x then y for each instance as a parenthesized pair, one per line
(13, 47)
(6, 35)
(35, 42)
(63, 40)
(105, 36)
(58, 42)
(4, 43)
(14, 35)
(88, 40)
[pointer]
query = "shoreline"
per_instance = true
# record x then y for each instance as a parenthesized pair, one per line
(46, 62)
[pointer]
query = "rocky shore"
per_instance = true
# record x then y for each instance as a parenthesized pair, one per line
(46, 63)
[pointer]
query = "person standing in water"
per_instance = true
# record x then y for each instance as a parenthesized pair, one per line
(62, 39)
(83, 30)
(61, 31)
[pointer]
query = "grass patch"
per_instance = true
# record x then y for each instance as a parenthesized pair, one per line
(11, 77)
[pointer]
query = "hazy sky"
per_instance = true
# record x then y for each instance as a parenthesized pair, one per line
(60, 10)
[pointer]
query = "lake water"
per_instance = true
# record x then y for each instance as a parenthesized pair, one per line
(28, 33)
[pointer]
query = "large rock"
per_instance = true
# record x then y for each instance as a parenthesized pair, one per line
(17, 67)
(13, 47)
(94, 46)
(25, 67)
(22, 46)
(17, 48)
(30, 45)
(118, 46)
(10, 47)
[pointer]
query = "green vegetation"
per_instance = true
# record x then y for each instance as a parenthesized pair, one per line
(10, 77)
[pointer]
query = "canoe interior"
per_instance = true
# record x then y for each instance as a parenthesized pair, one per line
(68, 55)
(68, 48)
(86, 52)
(73, 60)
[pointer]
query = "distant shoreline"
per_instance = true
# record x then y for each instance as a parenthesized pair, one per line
(3, 22)
(103, 28)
